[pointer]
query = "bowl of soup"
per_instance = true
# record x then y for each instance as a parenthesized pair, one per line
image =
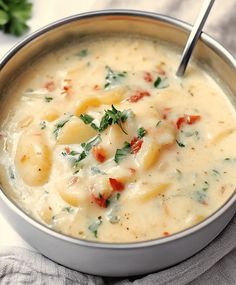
(110, 164)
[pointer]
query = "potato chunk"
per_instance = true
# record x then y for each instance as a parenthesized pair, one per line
(148, 154)
(50, 115)
(75, 132)
(151, 191)
(85, 103)
(73, 192)
(33, 158)
(113, 96)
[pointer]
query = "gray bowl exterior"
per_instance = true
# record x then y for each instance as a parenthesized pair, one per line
(104, 258)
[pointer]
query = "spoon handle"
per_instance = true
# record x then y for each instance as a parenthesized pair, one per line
(194, 35)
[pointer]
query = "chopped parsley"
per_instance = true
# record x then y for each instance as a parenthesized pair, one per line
(82, 53)
(86, 148)
(158, 123)
(110, 117)
(180, 144)
(199, 196)
(59, 126)
(87, 119)
(48, 99)
(160, 83)
(94, 226)
(68, 209)
(122, 152)
(141, 132)
(96, 170)
(113, 77)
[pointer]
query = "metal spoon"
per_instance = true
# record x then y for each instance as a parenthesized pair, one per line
(194, 36)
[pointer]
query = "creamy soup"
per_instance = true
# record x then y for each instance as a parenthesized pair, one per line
(100, 140)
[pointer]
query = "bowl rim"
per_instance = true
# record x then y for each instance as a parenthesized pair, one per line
(209, 41)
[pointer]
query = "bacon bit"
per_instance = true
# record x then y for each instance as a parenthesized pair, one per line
(100, 201)
(138, 95)
(73, 180)
(96, 87)
(50, 86)
(67, 88)
(166, 234)
(165, 113)
(148, 77)
(136, 144)
(67, 149)
(99, 153)
(116, 185)
(187, 119)
(132, 170)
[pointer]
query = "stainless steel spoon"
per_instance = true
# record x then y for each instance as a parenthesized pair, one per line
(194, 36)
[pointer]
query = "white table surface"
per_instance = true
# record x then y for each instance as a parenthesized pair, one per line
(221, 25)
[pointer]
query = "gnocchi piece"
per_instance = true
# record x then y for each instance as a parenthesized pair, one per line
(113, 138)
(33, 158)
(75, 194)
(50, 115)
(114, 96)
(99, 186)
(75, 132)
(85, 103)
(148, 154)
(152, 191)
(166, 134)
(122, 174)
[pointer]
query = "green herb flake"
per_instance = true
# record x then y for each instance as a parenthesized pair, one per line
(113, 78)
(158, 123)
(87, 119)
(180, 144)
(59, 126)
(114, 116)
(68, 209)
(48, 99)
(96, 170)
(157, 82)
(82, 53)
(86, 148)
(141, 132)
(199, 196)
(94, 226)
(123, 152)
(118, 196)
(215, 172)
(179, 172)
(11, 173)
(161, 83)
(42, 125)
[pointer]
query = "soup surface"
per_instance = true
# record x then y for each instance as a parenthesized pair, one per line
(100, 140)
